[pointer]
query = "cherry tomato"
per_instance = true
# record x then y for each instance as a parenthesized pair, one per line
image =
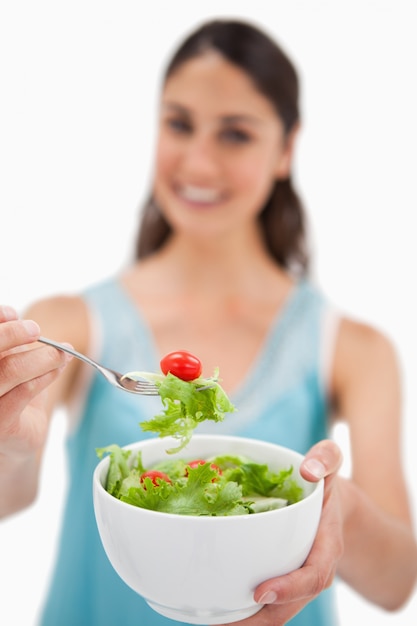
(155, 477)
(197, 462)
(182, 364)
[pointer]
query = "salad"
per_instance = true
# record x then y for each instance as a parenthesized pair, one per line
(188, 399)
(220, 485)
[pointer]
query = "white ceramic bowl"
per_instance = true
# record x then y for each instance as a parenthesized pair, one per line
(204, 570)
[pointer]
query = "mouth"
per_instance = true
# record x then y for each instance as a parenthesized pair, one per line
(199, 195)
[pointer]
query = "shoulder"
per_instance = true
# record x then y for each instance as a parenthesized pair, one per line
(365, 358)
(63, 318)
(360, 340)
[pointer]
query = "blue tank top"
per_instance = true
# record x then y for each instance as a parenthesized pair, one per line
(282, 400)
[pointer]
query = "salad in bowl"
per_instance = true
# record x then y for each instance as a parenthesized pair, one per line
(194, 523)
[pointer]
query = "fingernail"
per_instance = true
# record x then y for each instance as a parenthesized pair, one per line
(315, 467)
(68, 356)
(31, 327)
(8, 313)
(269, 597)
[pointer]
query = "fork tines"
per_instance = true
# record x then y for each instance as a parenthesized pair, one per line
(145, 388)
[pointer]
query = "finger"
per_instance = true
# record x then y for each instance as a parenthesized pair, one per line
(302, 584)
(7, 313)
(321, 460)
(25, 366)
(13, 403)
(279, 615)
(17, 333)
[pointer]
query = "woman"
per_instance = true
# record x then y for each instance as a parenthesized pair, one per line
(221, 270)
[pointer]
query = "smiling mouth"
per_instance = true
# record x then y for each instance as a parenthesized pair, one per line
(200, 195)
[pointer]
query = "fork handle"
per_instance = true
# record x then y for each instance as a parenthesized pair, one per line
(64, 348)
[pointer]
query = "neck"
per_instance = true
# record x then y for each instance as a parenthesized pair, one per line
(229, 261)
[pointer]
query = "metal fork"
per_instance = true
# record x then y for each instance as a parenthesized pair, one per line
(141, 387)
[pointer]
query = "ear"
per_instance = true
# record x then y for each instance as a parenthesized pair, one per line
(283, 169)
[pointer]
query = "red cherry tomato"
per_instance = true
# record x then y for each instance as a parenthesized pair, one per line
(182, 364)
(155, 477)
(196, 463)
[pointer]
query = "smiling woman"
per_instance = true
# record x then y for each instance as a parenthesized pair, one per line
(216, 153)
(230, 154)
(222, 270)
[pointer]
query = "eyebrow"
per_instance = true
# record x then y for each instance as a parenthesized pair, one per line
(235, 118)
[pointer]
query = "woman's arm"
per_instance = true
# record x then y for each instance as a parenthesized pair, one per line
(33, 380)
(380, 555)
(365, 533)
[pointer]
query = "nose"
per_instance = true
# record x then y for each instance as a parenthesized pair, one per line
(200, 157)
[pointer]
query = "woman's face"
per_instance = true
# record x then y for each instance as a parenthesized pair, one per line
(221, 146)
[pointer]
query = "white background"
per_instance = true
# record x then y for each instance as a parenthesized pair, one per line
(79, 87)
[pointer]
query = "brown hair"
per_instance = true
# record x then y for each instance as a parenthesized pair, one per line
(282, 218)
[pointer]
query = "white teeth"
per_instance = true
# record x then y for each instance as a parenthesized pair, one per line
(199, 194)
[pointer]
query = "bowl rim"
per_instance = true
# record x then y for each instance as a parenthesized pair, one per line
(317, 487)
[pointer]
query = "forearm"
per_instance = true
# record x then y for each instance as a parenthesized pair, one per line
(18, 483)
(32, 384)
(380, 555)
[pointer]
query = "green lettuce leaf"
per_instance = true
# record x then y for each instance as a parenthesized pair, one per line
(258, 480)
(186, 404)
(118, 467)
(197, 495)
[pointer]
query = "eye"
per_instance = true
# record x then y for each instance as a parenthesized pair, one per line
(178, 125)
(235, 136)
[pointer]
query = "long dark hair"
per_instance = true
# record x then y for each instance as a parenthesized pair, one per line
(282, 218)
